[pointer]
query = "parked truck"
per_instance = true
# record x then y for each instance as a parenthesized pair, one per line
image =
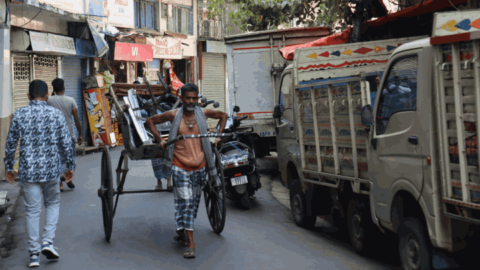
(254, 68)
(404, 161)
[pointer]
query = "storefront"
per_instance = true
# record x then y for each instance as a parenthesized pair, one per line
(174, 58)
(74, 69)
(129, 61)
(39, 56)
(45, 56)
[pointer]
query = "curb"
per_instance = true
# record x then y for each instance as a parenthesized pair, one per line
(7, 216)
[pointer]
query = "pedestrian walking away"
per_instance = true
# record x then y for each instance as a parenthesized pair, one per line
(68, 107)
(43, 130)
(187, 162)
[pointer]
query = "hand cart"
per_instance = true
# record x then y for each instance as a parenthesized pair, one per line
(214, 191)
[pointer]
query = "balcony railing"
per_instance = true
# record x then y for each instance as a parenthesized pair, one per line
(209, 27)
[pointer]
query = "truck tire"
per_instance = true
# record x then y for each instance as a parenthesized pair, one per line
(298, 207)
(415, 251)
(360, 226)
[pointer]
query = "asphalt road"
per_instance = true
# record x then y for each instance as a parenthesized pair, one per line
(263, 237)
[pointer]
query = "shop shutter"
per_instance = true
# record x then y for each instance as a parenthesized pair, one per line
(46, 69)
(21, 80)
(213, 83)
(72, 74)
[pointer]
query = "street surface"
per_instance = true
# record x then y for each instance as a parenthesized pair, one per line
(264, 237)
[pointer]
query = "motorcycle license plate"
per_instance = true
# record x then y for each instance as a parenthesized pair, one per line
(239, 180)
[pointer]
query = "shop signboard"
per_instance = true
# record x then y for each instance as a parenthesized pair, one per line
(99, 117)
(133, 52)
(119, 12)
(100, 43)
(43, 42)
(40, 41)
(216, 47)
(62, 44)
(70, 6)
(140, 40)
(95, 7)
(166, 47)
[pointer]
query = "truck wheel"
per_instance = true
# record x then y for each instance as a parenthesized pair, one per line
(360, 226)
(298, 207)
(415, 252)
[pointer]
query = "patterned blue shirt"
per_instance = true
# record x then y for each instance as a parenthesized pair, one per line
(43, 132)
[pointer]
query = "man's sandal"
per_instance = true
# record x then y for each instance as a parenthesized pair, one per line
(181, 240)
(189, 253)
(70, 185)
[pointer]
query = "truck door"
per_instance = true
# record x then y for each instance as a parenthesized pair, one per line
(286, 138)
(396, 155)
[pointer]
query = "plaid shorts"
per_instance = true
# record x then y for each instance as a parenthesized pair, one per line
(157, 165)
(187, 191)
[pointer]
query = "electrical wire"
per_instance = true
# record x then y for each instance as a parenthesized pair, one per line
(453, 5)
(41, 9)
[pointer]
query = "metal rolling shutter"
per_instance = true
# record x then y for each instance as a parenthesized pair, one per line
(213, 84)
(46, 69)
(21, 80)
(72, 74)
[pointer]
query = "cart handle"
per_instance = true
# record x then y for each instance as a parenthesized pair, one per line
(213, 135)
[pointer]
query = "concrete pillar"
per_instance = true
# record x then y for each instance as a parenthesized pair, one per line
(6, 108)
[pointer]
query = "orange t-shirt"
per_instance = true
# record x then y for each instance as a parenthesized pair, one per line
(188, 154)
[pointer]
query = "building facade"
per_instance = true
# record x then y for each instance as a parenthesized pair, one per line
(122, 41)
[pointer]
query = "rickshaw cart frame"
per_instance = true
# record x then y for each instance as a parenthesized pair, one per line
(214, 191)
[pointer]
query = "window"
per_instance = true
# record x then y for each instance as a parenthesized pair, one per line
(145, 15)
(179, 18)
(399, 93)
(285, 98)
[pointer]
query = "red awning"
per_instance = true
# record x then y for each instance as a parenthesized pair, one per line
(427, 7)
(339, 38)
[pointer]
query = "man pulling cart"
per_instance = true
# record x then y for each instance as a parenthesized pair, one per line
(190, 159)
(185, 161)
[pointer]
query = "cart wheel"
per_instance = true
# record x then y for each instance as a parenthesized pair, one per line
(106, 194)
(214, 194)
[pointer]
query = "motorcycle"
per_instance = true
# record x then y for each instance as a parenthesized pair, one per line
(238, 159)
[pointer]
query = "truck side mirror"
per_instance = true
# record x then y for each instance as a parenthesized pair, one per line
(367, 116)
(277, 111)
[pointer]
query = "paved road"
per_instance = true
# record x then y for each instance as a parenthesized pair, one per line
(264, 237)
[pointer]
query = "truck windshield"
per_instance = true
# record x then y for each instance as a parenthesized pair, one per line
(399, 92)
